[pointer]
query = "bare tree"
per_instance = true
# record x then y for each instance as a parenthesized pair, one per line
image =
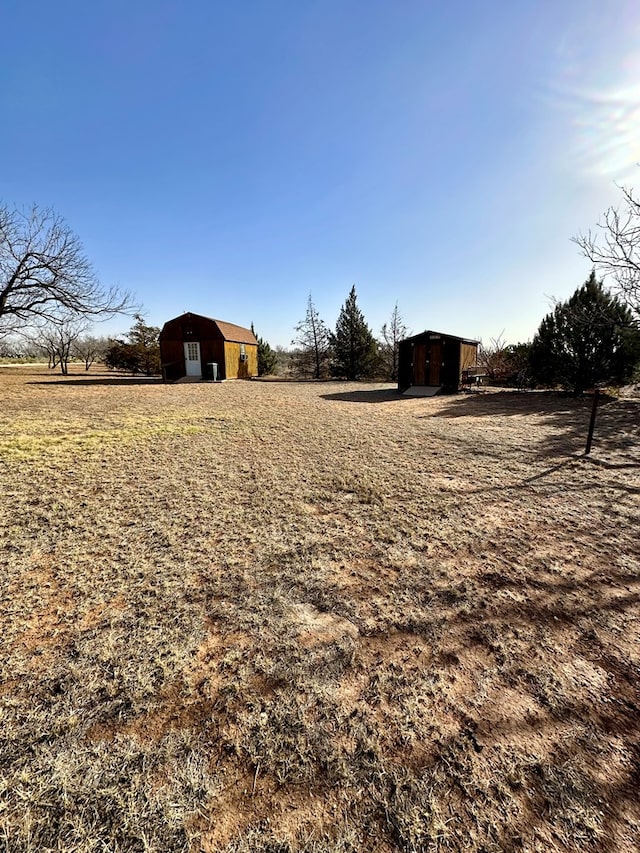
(493, 358)
(313, 344)
(89, 348)
(392, 333)
(46, 344)
(614, 249)
(505, 364)
(12, 347)
(284, 360)
(57, 340)
(44, 273)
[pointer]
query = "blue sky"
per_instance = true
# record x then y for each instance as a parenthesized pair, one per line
(231, 158)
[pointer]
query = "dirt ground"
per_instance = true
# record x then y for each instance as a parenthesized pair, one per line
(282, 617)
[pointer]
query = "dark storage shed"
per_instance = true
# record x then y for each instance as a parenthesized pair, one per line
(190, 345)
(432, 360)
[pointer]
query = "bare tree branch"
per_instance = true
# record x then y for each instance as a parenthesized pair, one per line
(57, 339)
(45, 274)
(392, 333)
(314, 343)
(90, 348)
(614, 248)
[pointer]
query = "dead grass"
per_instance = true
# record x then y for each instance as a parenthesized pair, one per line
(288, 617)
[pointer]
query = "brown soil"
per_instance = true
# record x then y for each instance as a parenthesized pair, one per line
(321, 617)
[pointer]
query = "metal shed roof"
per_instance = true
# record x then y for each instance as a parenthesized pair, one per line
(440, 335)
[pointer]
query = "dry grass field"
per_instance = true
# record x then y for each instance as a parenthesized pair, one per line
(281, 617)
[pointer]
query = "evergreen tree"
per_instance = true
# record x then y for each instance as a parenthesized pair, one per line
(519, 365)
(355, 351)
(145, 341)
(313, 344)
(121, 356)
(140, 353)
(587, 341)
(267, 358)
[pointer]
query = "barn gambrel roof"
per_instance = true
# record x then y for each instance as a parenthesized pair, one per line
(237, 334)
(229, 331)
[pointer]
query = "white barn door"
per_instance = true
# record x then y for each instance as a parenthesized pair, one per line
(192, 358)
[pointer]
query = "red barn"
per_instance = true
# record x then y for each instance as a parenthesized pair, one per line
(190, 345)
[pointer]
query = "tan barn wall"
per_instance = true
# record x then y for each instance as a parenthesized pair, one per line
(236, 369)
(252, 359)
(468, 356)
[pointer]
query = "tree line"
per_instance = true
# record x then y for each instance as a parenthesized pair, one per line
(69, 340)
(592, 339)
(350, 351)
(50, 295)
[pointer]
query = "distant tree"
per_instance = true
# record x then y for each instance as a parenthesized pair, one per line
(355, 351)
(284, 360)
(519, 365)
(392, 333)
(505, 364)
(313, 344)
(587, 341)
(146, 341)
(493, 358)
(45, 275)
(20, 347)
(267, 358)
(121, 356)
(140, 353)
(89, 349)
(57, 340)
(8, 348)
(614, 249)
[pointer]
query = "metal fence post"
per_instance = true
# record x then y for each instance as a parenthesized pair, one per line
(592, 422)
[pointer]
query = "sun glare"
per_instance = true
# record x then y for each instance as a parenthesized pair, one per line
(598, 94)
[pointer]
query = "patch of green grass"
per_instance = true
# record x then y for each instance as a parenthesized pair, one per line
(68, 439)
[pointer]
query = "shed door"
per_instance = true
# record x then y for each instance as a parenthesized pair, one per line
(435, 363)
(192, 358)
(419, 364)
